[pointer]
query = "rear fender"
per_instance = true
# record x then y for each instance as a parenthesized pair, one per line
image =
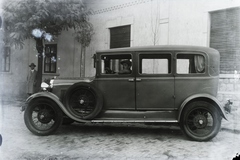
(53, 97)
(206, 97)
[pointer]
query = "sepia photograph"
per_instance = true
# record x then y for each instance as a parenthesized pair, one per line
(119, 79)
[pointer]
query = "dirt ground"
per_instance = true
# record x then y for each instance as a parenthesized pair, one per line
(112, 141)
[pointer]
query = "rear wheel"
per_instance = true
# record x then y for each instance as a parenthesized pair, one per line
(200, 121)
(43, 117)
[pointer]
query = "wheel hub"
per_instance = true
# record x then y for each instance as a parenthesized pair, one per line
(44, 116)
(200, 121)
(83, 100)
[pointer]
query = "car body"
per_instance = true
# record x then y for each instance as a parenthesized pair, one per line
(165, 84)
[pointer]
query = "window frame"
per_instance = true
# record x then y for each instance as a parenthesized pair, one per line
(112, 41)
(6, 62)
(192, 53)
(170, 64)
(116, 74)
(50, 63)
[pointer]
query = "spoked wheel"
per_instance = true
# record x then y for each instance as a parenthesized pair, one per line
(43, 117)
(83, 101)
(200, 121)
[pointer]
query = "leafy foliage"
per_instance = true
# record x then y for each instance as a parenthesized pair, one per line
(83, 34)
(52, 16)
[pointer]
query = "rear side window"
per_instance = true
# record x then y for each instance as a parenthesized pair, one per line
(190, 64)
(155, 63)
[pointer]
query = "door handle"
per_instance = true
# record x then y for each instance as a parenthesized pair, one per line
(131, 80)
(138, 80)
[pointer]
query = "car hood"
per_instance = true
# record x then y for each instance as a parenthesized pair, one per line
(70, 80)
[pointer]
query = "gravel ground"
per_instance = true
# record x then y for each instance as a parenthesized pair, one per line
(112, 141)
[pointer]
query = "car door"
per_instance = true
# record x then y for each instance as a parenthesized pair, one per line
(155, 81)
(118, 87)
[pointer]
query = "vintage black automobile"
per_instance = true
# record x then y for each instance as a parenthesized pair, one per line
(157, 84)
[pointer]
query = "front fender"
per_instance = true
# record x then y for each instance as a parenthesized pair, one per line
(54, 98)
(42, 95)
(202, 96)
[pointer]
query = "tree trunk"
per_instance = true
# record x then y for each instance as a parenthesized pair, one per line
(82, 62)
(39, 47)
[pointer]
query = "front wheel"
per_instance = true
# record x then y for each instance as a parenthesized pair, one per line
(43, 117)
(200, 121)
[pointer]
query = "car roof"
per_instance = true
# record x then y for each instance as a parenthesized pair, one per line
(160, 47)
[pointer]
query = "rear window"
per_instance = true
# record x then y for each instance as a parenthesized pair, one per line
(190, 64)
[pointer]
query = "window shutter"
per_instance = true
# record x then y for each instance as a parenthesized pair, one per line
(225, 37)
(120, 37)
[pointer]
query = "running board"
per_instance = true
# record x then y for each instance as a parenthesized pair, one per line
(137, 116)
(132, 121)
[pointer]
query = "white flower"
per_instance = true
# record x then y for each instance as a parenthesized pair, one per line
(53, 59)
(48, 37)
(37, 33)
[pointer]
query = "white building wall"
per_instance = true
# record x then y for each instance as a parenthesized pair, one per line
(177, 22)
(13, 84)
(189, 20)
(174, 22)
(68, 55)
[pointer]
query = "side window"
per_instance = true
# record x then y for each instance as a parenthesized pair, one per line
(155, 64)
(116, 64)
(190, 63)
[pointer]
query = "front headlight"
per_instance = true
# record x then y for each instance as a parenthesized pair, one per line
(51, 83)
(44, 86)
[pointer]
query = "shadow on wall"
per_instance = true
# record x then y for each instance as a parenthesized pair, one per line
(13, 91)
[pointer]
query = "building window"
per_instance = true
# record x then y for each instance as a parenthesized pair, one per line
(5, 60)
(50, 60)
(225, 37)
(120, 37)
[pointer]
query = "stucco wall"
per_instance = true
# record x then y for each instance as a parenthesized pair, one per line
(68, 55)
(229, 89)
(178, 22)
(13, 84)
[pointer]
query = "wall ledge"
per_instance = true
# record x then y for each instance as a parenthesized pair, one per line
(227, 92)
(229, 76)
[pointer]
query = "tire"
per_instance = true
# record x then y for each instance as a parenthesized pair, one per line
(43, 117)
(83, 101)
(200, 121)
